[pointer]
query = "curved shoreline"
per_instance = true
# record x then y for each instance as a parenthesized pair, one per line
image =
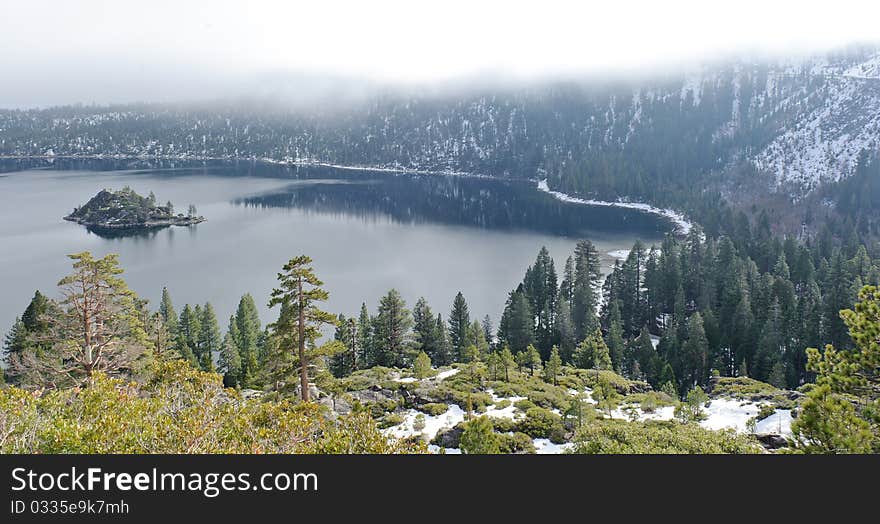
(681, 223)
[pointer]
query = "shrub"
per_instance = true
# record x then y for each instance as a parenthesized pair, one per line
(541, 423)
(422, 366)
(479, 437)
(516, 443)
(524, 405)
(389, 419)
(434, 408)
(667, 437)
(181, 410)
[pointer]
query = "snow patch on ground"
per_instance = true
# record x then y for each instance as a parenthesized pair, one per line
(406, 380)
(510, 412)
(729, 413)
(446, 374)
(661, 413)
(543, 446)
(433, 424)
(449, 451)
(682, 224)
(778, 423)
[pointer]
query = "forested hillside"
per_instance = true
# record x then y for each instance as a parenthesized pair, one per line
(569, 368)
(737, 130)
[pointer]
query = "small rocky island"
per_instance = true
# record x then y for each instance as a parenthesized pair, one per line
(126, 211)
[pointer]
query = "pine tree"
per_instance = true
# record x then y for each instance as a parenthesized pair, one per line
(229, 362)
(345, 362)
(166, 310)
(493, 363)
(601, 354)
(300, 321)
(840, 412)
(695, 352)
(188, 330)
(422, 365)
(246, 337)
(615, 341)
(367, 357)
(553, 367)
(97, 326)
(392, 324)
(517, 324)
(507, 361)
(534, 359)
(210, 341)
(444, 346)
(459, 321)
(565, 332)
(477, 338)
(488, 332)
(587, 276)
(425, 328)
(540, 288)
(605, 395)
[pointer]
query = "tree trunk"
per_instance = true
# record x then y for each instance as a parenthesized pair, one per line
(303, 365)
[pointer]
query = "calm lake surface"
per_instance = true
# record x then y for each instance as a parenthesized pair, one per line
(426, 235)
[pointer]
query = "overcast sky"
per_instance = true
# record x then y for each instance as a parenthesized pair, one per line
(121, 50)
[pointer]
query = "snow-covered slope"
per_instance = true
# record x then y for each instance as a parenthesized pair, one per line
(834, 118)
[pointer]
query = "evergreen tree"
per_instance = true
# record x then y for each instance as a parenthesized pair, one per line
(368, 355)
(166, 310)
(188, 330)
(532, 359)
(553, 366)
(517, 323)
(615, 341)
(210, 341)
(444, 346)
(840, 412)
(345, 362)
(565, 332)
(459, 321)
(695, 352)
(587, 276)
(300, 321)
(246, 336)
(96, 327)
(506, 361)
(486, 324)
(229, 363)
(391, 328)
(425, 329)
(422, 365)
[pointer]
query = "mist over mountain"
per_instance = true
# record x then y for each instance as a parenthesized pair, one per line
(742, 128)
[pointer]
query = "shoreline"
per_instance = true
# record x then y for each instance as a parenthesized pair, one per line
(681, 223)
(139, 227)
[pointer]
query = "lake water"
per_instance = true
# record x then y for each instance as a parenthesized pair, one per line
(426, 235)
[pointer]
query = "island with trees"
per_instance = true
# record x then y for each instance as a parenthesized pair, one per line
(125, 210)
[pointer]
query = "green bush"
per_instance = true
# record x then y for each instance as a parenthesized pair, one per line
(666, 437)
(516, 443)
(390, 419)
(479, 437)
(542, 423)
(433, 408)
(181, 410)
(524, 405)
